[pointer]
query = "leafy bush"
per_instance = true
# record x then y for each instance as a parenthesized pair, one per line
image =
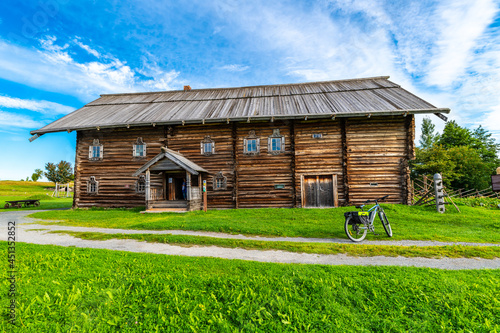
(478, 202)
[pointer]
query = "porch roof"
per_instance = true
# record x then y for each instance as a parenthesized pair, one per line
(174, 159)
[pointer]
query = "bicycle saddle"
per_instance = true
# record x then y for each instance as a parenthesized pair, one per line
(359, 206)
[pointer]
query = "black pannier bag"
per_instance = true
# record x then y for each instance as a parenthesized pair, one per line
(358, 217)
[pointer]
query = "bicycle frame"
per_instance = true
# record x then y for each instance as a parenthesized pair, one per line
(371, 216)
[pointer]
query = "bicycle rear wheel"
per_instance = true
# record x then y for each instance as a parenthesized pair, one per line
(355, 231)
(385, 223)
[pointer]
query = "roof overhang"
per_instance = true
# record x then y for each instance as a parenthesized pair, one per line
(437, 111)
(176, 158)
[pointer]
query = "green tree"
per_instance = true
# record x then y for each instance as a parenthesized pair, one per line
(428, 138)
(455, 136)
(465, 158)
(60, 173)
(37, 175)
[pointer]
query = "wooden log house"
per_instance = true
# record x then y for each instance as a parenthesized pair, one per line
(319, 144)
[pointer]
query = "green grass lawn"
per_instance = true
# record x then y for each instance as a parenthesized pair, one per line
(17, 190)
(81, 290)
(472, 224)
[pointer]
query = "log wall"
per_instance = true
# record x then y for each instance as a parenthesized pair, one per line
(187, 139)
(114, 171)
(368, 155)
(318, 156)
(258, 175)
(376, 149)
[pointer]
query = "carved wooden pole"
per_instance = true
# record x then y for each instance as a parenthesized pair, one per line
(148, 189)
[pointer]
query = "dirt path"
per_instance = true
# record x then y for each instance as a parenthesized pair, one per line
(24, 224)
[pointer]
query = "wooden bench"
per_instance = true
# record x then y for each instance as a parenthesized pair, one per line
(21, 203)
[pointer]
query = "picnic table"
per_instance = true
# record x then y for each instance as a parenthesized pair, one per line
(21, 203)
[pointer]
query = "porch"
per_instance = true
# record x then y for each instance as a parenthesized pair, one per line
(180, 185)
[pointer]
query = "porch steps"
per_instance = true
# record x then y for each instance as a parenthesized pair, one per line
(165, 210)
(167, 206)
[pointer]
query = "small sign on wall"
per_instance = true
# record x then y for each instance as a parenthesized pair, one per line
(170, 180)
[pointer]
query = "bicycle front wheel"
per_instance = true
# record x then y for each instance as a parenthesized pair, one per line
(355, 231)
(385, 223)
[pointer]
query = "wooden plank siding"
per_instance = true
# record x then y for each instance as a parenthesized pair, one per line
(187, 139)
(258, 175)
(318, 156)
(114, 171)
(376, 149)
(358, 151)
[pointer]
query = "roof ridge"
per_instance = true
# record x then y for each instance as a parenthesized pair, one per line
(258, 86)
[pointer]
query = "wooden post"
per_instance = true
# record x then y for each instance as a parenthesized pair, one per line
(148, 189)
(205, 196)
(335, 191)
(345, 159)
(293, 166)
(188, 186)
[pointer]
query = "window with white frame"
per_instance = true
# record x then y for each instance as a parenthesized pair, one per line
(96, 151)
(251, 144)
(207, 146)
(140, 185)
(219, 181)
(92, 186)
(139, 149)
(276, 143)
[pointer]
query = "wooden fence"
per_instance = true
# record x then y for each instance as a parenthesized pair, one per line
(423, 193)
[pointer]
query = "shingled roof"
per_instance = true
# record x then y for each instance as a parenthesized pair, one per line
(343, 98)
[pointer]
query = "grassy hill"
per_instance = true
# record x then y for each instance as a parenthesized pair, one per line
(21, 190)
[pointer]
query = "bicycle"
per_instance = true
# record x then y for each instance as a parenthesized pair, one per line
(357, 224)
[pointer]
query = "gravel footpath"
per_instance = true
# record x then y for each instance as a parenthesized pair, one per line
(24, 224)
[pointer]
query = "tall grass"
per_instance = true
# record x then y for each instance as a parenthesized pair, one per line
(88, 290)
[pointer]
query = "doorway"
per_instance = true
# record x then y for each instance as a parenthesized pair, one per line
(319, 191)
(174, 187)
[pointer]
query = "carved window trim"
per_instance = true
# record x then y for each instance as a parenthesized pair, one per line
(252, 142)
(140, 185)
(136, 148)
(207, 146)
(276, 143)
(219, 182)
(92, 186)
(96, 151)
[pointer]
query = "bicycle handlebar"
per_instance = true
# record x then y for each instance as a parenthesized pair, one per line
(376, 200)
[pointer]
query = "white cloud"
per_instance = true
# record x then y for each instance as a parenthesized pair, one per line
(54, 69)
(462, 22)
(44, 107)
(87, 48)
(9, 120)
(234, 68)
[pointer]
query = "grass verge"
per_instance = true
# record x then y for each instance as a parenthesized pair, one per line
(473, 224)
(88, 290)
(359, 250)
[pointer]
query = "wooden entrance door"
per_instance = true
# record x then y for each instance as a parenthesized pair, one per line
(319, 191)
(174, 183)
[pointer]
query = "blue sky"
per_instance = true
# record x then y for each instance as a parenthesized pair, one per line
(58, 55)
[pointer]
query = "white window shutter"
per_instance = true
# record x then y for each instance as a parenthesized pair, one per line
(213, 147)
(282, 143)
(269, 144)
(101, 152)
(144, 150)
(90, 151)
(245, 146)
(134, 150)
(258, 145)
